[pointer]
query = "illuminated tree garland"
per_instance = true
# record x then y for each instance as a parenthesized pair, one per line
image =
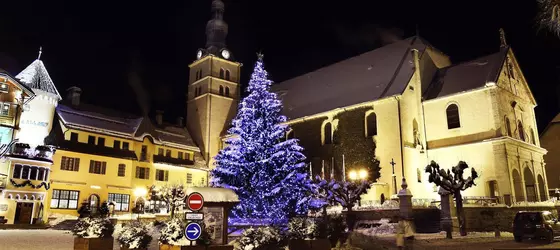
(28, 183)
(266, 171)
(549, 15)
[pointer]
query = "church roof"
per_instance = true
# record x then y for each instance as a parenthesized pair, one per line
(373, 75)
(466, 76)
(36, 77)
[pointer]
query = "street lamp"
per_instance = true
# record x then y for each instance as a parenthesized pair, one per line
(353, 175)
(363, 174)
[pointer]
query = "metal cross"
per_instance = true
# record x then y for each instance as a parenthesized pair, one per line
(393, 164)
(40, 52)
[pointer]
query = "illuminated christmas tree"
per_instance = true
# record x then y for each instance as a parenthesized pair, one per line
(264, 169)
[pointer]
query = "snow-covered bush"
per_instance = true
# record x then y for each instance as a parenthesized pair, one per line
(172, 232)
(262, 238)
(301, 228)
(93, 228)
(134, 235)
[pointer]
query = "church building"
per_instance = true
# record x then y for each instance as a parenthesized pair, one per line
(406, 104)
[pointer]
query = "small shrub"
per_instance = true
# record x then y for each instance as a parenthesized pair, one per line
(337, 228)
(300, 228)
(134, 235)
(205, 238)
(104, 209)
(93, 228)
(262, 238)
(171, 232)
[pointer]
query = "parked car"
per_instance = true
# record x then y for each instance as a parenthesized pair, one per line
(535, 225)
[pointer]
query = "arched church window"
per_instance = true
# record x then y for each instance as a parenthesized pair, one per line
(533, 137)
(452, 113)
(327, 133)
(227, 91)
(521, 132)
(227, 74)
(221, 90)
(508, 127)
(222, 73)
(371, 125)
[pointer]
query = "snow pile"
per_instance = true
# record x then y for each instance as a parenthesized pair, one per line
(55, 219)
(302, 228)
(213, 194)
(384, 228)
(258, 239)
(134, 235)
(133, 216)
(93, 228)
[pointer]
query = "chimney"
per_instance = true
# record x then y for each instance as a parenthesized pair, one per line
(159, 117)
(180, 121)
(74, 95)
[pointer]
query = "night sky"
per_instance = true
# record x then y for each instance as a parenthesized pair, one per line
(95, 44)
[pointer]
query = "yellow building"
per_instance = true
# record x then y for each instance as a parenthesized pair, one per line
(106, 156)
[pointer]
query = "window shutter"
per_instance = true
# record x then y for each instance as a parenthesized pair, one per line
(77, 164)
(103, 167)
(91, 166)
(166, 175)
(137, 172)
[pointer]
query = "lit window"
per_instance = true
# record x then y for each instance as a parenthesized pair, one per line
(5, 109)
(121, 201)
(453, 120)
(65, 199)
(4, 88)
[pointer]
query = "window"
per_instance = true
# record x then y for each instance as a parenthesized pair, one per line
(222, 73)
(97, 167)
(70, 164)
(227, 91)
(533, 137)
(25, 172)
(508, 127)
(221, 90)
(162, 175)
(160, 151)
(91, 140)
(41, 174)
(144, 153)
(452, 112)
(203, 182)
(189, 178)
(101, 141)
(117, 144)
(371, 124)
(65, 199)
(125, 145)
(122, 170)
(142, 173)
(227, 75)
(419, 175)
(74, 137)
(121, 201)
(5, 109)
(33, 173)
(521, 132)
(17, 171)
(180, 155)
(168, 153)
(46, 177)
(327, 131)
(4, 88)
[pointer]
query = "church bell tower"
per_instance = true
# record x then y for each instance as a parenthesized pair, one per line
(213, 91)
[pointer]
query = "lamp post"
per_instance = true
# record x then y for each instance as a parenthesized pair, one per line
(360, 175)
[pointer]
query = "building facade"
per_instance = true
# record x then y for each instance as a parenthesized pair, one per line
(550, 139)
(405, 105)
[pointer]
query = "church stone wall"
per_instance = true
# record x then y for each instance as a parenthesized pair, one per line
(551, 141)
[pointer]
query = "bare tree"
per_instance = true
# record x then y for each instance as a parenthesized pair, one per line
(173, 195)
(454, 182)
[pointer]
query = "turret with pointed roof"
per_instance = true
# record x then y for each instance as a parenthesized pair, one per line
(37, 77)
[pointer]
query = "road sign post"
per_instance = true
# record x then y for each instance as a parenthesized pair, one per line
(192, 231)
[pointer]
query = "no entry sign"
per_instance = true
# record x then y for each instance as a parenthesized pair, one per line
(195, 201)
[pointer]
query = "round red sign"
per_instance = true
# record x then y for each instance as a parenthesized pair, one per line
(195, 201)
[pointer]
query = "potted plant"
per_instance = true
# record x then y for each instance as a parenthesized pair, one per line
(21, 148)
(134, 235)
(43, 152)
(171, 235)
(262, 238)
(306, 233)
(93, 233)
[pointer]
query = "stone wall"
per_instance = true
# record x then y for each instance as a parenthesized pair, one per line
(426, 220)
(482, 219)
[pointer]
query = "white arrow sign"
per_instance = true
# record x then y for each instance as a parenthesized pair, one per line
(195, 231)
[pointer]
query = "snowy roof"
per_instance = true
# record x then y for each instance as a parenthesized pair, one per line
(36, 76)
(211, 194)
(376, 74)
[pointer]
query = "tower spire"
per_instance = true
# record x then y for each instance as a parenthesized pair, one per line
(40, 52)
(216, 29)
(503, 42)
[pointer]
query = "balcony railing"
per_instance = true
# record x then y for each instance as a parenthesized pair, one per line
(23, 150)
(172, 161)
